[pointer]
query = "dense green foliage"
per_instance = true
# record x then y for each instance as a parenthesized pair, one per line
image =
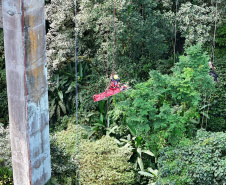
(62, 93)
(95, 42)
(217, 109)
(101, 161)
(198, 161)
(62, 165)
(152, 135)
(3, 92)
(5, 154)
(221, 40)
(164, 109)
(6, 175)
(144, 34)
(105, 163)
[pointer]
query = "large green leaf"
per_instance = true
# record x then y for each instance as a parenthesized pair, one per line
(101, 105)
(139, 151)
(99, 121)
(140, 162)
(63, 81)
(101, 118)
(63, 108)
(52, 111)
(205, 106)
(61, 96)
(112, 130)
(138, 141)
(194, 121)
(207, 116)
(57, 80)
(99, 124)
(131, 128)
(148, 152)
(58, 111)
(154, 172)
(71, 87)
(146, 174)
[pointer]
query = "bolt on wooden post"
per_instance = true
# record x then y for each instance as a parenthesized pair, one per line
(25, 56)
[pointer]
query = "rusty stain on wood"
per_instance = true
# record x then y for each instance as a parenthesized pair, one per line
(33, 38)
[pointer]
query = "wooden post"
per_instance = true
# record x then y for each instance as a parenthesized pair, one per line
(25, 56)
(1, 23)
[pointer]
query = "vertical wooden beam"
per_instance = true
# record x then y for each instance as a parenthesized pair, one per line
(30, 147)
(1, 23)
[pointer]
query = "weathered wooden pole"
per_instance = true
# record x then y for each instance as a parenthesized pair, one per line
(26, 73)
(1, 24)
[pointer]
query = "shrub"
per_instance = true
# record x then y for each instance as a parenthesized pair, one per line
(6, 174)
(164, 109)
(101, 161)
(5, 152)
(61, 144)
(62, 165)
(201, 161)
